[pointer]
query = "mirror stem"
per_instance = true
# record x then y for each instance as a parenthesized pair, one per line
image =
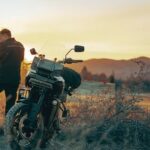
(68, 53)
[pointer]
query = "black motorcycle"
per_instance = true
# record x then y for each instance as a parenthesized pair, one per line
(33, 120)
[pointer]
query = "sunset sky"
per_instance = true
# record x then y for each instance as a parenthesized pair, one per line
(118, 29)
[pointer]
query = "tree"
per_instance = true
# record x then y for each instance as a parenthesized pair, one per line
(103, 77)
(95, 77)
(112, 78)
(85, 74)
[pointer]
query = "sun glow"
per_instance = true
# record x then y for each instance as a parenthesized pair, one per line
(117, 29)
(28, 57)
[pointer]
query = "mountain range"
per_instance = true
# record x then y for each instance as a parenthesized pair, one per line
(121, 68)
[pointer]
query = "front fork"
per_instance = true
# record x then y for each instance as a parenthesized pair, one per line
(35, 109)
(54, 113)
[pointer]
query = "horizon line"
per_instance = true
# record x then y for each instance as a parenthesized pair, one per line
(126, 59)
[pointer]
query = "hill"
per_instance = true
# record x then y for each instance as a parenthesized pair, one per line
(121, 68)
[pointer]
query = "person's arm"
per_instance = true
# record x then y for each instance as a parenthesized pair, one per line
(3, 51)
(21, 52)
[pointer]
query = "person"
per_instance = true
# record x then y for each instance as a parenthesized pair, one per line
(11, 56)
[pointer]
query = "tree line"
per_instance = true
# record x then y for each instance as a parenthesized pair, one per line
(102, 77)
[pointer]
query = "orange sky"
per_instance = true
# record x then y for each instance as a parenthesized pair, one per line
(118, 29)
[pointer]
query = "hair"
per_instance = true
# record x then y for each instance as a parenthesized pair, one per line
(6, 32)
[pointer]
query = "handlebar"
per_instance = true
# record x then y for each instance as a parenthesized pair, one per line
(73, 61)
(70, 61)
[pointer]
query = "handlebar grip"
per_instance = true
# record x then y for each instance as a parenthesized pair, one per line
(60, 62)
(77, 61)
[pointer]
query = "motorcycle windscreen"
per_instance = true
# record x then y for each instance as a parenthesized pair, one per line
(45, 64)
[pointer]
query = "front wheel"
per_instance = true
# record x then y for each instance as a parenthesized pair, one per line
(17, 133)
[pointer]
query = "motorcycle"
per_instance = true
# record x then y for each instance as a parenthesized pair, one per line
(33, 120)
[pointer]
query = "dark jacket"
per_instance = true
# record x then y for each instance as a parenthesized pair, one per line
(11, 56)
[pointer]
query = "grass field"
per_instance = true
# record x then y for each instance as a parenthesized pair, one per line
(89, 106)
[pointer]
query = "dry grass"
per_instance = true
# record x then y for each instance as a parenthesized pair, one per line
(2, 108)
(93, 122)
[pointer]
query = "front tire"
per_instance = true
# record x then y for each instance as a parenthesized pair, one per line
(15, 132)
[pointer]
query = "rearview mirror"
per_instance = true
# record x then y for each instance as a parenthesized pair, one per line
(79, 48)
(33, 51)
